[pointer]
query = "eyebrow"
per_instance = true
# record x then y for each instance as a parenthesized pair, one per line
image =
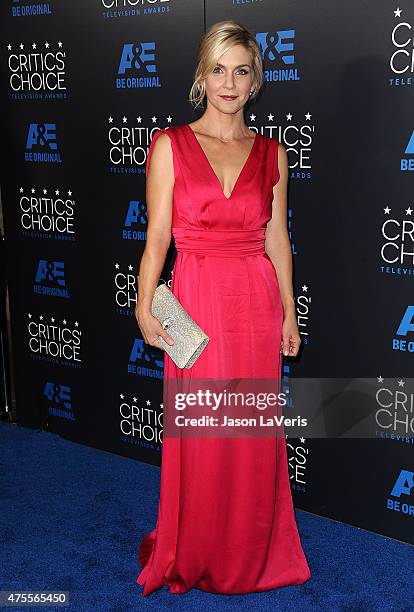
(240, 66)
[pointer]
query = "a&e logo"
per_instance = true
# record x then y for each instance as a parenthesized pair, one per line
(137, 68)
(59, 399)
(407, 163)
(402, 489)
(27, 8)
(406, 326)
(136, 221)
(50, 279)
(278, 48)
(144, 361)
(42, 137)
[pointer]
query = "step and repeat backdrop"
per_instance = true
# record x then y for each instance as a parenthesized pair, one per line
(84, 88)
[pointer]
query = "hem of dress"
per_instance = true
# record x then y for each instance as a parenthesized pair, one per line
(175, 589)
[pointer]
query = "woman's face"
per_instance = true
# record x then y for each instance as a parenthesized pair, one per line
(232, 76)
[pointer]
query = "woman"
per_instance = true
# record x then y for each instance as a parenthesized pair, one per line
(226, 520)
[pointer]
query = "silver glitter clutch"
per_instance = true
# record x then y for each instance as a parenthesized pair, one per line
(189, 338)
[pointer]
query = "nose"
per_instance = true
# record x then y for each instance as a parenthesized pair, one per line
(229, 80)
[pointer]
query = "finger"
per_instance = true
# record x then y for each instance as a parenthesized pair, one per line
(294, 347)
(167, 338)
(161, 331)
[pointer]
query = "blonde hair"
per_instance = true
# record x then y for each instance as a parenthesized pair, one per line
(219, 38)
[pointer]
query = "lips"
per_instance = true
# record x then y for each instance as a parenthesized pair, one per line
(228, 97)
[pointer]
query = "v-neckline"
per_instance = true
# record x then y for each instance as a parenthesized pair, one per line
(211, 167)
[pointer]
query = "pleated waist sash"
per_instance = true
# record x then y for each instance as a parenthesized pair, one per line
(220, 243)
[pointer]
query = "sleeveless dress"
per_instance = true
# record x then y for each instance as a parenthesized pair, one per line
(226, 521)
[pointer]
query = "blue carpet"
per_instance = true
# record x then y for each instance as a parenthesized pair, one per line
(71, 518)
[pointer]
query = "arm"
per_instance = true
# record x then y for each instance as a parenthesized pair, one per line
(159, 196)
(278, 248)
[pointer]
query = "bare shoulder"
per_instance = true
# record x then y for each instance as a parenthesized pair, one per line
(281, 149)
(282, 159)
(161, 160)
(170, 131)
(162, 143)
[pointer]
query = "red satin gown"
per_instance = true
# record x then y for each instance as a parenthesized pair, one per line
(226, 521)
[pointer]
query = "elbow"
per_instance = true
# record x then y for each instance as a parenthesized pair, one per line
(278, 245)
(158, 242)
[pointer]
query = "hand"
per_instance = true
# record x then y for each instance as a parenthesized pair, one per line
(291, 339)
(151, 328)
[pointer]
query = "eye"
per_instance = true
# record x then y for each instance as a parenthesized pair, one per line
(240, 71)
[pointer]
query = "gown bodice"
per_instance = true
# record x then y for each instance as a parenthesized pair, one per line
(199, 201)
